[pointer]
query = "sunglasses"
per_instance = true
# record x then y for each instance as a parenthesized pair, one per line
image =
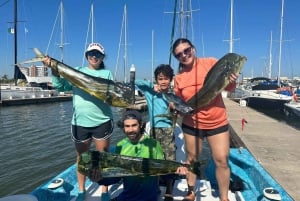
(96, 54)
(186, 51)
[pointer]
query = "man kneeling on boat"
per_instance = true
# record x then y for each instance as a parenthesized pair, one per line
(136, 144)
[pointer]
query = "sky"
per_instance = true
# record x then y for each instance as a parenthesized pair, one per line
(149, 30)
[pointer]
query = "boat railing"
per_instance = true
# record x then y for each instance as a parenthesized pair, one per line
(15, 92)
(270, 94)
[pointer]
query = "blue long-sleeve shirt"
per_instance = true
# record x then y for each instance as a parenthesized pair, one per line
(156, 105)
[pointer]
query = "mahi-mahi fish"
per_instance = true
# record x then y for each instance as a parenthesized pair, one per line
(115, 165)
(179, 103)
(113, 93)
(217, 79)
(180, 106)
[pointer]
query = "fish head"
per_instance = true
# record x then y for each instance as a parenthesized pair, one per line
(180, 105)
(88, 161)
(185, 109)
(234, 63)
(85, 164)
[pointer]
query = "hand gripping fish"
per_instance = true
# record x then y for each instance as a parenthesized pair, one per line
(217, 79)
(114, 165)
(180, 106)
(113, 93)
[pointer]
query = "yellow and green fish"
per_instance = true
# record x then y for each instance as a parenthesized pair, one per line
(113, 93)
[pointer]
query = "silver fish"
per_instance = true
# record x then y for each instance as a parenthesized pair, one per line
(180, 105)
(113, 93)
(108, 163)
(217, 79)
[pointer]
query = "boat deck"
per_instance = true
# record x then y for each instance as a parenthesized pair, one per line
(274, 144)
(204, 192)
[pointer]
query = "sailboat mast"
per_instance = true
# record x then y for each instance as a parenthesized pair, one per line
(231, 28)
(61, 46)
(15, 41)
(280, 43)
(152, 57)
(231, 39)
(181, 14)
(92, 17)
(270, 58)
(125, 42)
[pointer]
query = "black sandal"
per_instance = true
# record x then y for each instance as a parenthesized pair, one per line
(190, 196)
(168, 197)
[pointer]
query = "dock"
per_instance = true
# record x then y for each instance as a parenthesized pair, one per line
(274, 144)
(26, 101)
(140, 104)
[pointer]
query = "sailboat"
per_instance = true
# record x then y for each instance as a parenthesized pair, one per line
(263, 92)
(36, 90)
(124, 76)
(123, 42)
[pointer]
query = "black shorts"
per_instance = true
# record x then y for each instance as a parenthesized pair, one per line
(203, 132)
(102, 132)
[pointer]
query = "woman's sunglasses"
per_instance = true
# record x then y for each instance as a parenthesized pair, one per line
(186, 51)
(96, 54)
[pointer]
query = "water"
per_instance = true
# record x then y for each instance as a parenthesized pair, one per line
(36, 145)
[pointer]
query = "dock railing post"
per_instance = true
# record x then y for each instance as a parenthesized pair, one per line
(132, 80)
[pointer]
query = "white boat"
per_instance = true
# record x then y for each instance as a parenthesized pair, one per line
(262, 92)
(292, 109)
(11, 92)
(36, 89)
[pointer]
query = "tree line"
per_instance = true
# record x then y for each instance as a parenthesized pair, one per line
(5, 79)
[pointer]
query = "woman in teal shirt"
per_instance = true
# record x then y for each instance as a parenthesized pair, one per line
(92, 118)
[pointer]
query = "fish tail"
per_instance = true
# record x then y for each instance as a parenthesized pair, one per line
(38, 57)
(38, 53)
(53, 62)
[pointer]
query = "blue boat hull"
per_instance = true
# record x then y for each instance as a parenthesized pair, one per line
(253, 177)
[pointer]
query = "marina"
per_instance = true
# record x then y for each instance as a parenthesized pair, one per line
(38, 155)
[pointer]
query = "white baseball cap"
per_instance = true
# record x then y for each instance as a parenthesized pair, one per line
(95, 46)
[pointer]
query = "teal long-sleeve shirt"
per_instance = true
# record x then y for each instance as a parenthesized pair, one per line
(88, 111)
(156, 105)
